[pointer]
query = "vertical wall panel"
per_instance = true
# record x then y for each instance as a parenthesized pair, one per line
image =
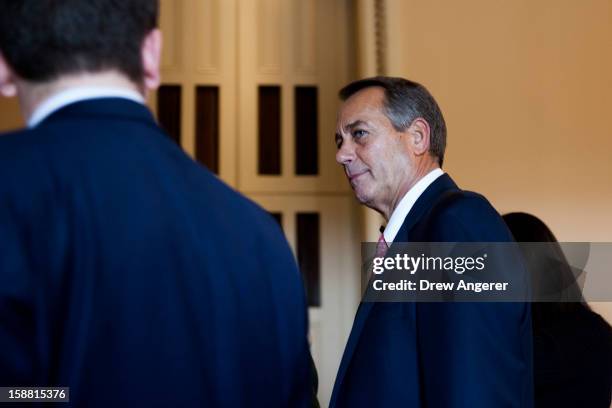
(308, 253)
(169, 110)
(208, 36)
(269, 35)
(172, 23)
(306, 131)
(269, 130)
(207, 126)
(305, 50)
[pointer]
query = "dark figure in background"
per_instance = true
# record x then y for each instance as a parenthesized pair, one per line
(572, 344)
(128, 272)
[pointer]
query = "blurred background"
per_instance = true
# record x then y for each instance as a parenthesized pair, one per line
(250, 90)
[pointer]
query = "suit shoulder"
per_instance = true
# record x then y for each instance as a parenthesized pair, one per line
(468, 216)
(20, 154)
(5, 135)
(247, 212)
(464, 203)
(21, 143)
(254, 234)
(15, 141)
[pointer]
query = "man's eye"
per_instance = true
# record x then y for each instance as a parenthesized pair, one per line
(359, 133)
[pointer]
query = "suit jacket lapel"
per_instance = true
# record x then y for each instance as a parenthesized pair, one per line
(423, 203)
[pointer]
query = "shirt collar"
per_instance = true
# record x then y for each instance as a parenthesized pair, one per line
(77, 94)
(405, 205)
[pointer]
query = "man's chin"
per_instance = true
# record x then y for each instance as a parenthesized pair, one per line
(362, 197)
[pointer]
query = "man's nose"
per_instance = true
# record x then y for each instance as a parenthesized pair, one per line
(346, 153)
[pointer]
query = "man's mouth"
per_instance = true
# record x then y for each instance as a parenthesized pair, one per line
(354, 176)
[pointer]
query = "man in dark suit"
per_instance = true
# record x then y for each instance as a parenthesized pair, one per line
(128, 272)
(391, 138)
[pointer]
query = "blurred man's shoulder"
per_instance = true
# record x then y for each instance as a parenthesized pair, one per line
(16, 149)
(243, 207)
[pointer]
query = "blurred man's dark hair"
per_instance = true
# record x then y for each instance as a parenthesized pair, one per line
(43, 40)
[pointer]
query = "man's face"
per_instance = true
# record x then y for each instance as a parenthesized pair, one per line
(375, 156)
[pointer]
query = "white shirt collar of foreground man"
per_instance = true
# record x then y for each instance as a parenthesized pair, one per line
(405, 205)
(76, 94)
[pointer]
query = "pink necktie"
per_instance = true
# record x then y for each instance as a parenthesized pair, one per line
(381, 246)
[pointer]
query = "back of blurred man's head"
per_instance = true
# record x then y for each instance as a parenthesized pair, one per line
(43, 40)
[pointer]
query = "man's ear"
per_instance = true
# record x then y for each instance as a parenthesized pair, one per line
(151, 59)
(420, 133)
(8, 87)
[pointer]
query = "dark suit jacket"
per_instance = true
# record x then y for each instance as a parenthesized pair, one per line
(132, 275)
(440, 355)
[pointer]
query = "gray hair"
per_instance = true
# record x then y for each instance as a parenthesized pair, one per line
(404, 102)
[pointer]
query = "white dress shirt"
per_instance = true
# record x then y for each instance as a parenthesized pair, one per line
(405, 205)
(77, 94)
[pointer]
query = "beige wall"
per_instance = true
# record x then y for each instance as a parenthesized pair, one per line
(526, 89)
(10, 117)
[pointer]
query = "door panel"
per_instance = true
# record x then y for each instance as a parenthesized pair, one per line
(331, 321)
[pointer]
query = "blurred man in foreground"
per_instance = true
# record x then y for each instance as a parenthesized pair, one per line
(128, 272)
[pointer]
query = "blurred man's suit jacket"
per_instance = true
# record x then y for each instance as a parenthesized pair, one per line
(440, 355)
(132, 275)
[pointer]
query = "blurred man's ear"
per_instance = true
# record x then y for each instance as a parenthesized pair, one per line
(151, 58)
(8, 87)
